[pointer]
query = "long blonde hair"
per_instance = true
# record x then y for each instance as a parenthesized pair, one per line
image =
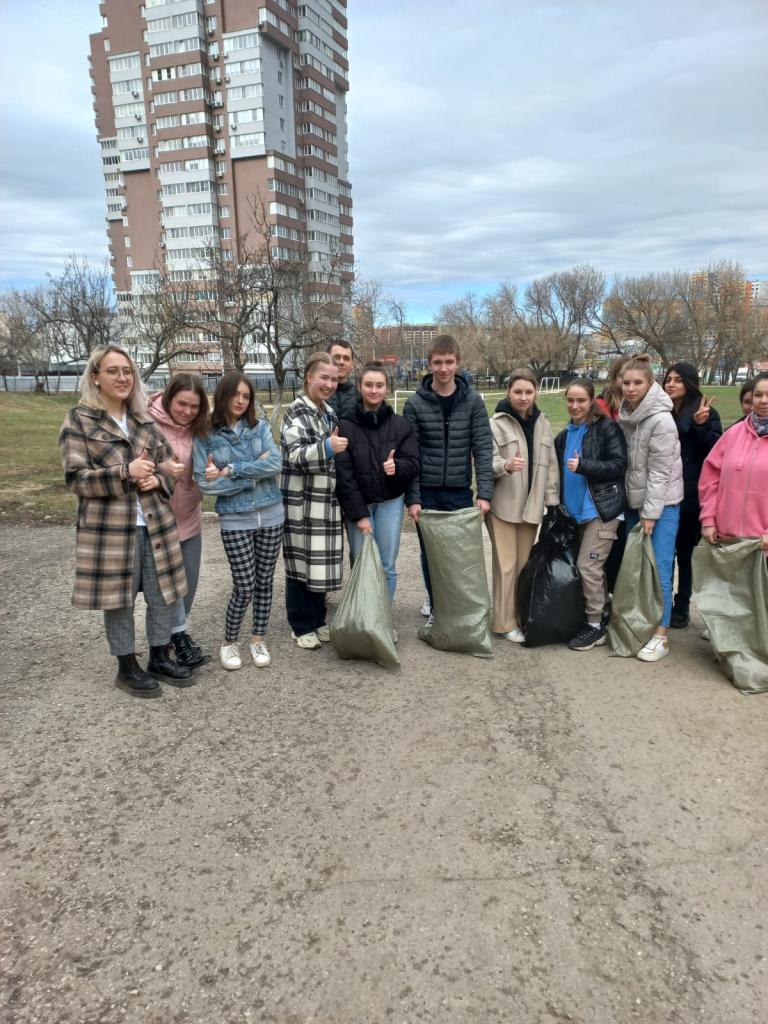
(91, 396)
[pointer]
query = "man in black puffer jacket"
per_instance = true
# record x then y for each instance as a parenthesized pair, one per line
(453, 431)
(346, 396)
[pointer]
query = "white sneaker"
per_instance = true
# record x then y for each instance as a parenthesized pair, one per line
(324, 633)
(261, 656)
(426, 608)
(431, 620)
(307, 641)
(656, 649)
(517, 636)
(395, 637)
(229, 656)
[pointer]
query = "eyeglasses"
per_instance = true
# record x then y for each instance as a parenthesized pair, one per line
(118, 371)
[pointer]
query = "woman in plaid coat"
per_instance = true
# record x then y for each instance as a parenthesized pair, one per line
(312, 540)
(122, 471)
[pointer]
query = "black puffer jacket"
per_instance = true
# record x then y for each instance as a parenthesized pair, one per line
(696, 442)
(447, 450)
(344, 399)
(603, 462)
(360, 478)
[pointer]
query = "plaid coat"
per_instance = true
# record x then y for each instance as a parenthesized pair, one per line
(312, 541)
(94, 451)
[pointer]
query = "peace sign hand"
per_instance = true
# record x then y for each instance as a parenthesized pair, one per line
(701, 415)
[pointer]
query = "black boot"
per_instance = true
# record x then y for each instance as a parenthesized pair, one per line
(162, 667)
(680, 617)
(132, 678)
(187, 651)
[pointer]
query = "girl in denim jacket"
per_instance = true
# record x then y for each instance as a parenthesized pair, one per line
(239, 463)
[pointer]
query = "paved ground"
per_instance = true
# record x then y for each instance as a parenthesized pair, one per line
(545, 837)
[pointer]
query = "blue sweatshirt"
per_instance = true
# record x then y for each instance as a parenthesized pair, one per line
(576, 494)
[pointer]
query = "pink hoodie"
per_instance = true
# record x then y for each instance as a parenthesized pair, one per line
(733, 486)
(186, 498)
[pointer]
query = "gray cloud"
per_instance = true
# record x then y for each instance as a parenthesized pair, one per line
(515, 139)
(494, 141)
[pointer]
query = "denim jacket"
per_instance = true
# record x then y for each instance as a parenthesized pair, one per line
(253, 482)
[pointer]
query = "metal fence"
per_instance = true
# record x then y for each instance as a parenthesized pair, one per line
(53, 384)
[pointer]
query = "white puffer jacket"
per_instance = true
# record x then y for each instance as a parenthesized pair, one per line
(655, 473)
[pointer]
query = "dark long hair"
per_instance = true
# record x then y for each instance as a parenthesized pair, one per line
(226, 390)
(188, 382)
(689, 375)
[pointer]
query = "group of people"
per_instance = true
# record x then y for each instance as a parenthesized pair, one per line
(346, 462)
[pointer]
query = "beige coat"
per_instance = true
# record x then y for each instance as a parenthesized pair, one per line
(511, 499)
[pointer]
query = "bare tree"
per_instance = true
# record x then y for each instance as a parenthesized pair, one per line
(568, 305)
(647, 308)
(77, 308)
(268, 297)
(26, 345)
(371, 308)
(161, 321)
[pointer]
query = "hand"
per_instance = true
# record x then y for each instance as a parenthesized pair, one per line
(709, 533)
(172, 467)
(414, 511)
(389, 465)
(141, 468)
(364, 525)
(764, 543)
(149, 483)
(483, 505)
(338, 444)
(212, 471)
(648, 525)
(701, 415)
(573, 462)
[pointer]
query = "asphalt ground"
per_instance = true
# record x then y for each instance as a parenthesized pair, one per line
(542, 837)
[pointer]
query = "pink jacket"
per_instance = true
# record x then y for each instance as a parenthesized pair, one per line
(733, 486)
(186, 498)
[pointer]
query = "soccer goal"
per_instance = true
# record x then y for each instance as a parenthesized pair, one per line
(550, 384)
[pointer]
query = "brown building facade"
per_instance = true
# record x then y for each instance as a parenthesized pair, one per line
(204, 107)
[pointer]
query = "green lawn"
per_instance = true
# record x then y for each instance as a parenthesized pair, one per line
(32, 485)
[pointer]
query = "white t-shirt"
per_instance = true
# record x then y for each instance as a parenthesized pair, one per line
(123, 424)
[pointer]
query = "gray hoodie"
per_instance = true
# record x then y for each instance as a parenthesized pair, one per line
(655, 473)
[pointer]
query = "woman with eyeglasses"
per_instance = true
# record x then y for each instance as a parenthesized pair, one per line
(120, 467)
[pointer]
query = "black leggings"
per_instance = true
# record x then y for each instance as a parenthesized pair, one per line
(688, 536)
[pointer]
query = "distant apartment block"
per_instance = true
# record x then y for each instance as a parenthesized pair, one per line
(202, 105)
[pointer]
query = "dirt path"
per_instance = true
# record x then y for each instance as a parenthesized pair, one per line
(545, 837)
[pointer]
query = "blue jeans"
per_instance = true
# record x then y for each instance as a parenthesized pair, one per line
(663, 538)
(387, 520)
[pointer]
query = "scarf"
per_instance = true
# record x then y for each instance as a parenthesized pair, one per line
(760, 424)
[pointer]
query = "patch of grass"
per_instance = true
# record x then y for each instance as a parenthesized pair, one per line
(32, 482)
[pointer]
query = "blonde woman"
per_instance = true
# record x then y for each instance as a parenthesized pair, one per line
(526, 481)
(654, 479)
(121, 468)
(313, 542)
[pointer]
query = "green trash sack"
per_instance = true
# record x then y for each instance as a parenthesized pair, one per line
(362, 625)
(731, 590)
(461, 604)
(638, 602)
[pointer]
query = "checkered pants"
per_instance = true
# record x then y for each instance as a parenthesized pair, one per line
(252, 556)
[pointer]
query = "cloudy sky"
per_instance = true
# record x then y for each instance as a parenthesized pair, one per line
(490, 141)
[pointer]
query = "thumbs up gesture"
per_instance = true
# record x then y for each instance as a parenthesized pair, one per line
(573, 462)
(172, 467)
(701, 415)
(338, 444)
(389, 465)
(211, 469)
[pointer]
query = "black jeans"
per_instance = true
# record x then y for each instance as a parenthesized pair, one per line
(688, 536)
(447, 499)
(305, 608)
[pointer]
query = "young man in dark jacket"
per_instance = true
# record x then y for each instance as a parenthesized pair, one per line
(345, 399)
(453, 432)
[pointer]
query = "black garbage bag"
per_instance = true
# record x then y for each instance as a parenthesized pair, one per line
(550, 598)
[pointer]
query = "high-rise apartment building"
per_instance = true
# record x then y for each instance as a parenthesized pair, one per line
(202, 105)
